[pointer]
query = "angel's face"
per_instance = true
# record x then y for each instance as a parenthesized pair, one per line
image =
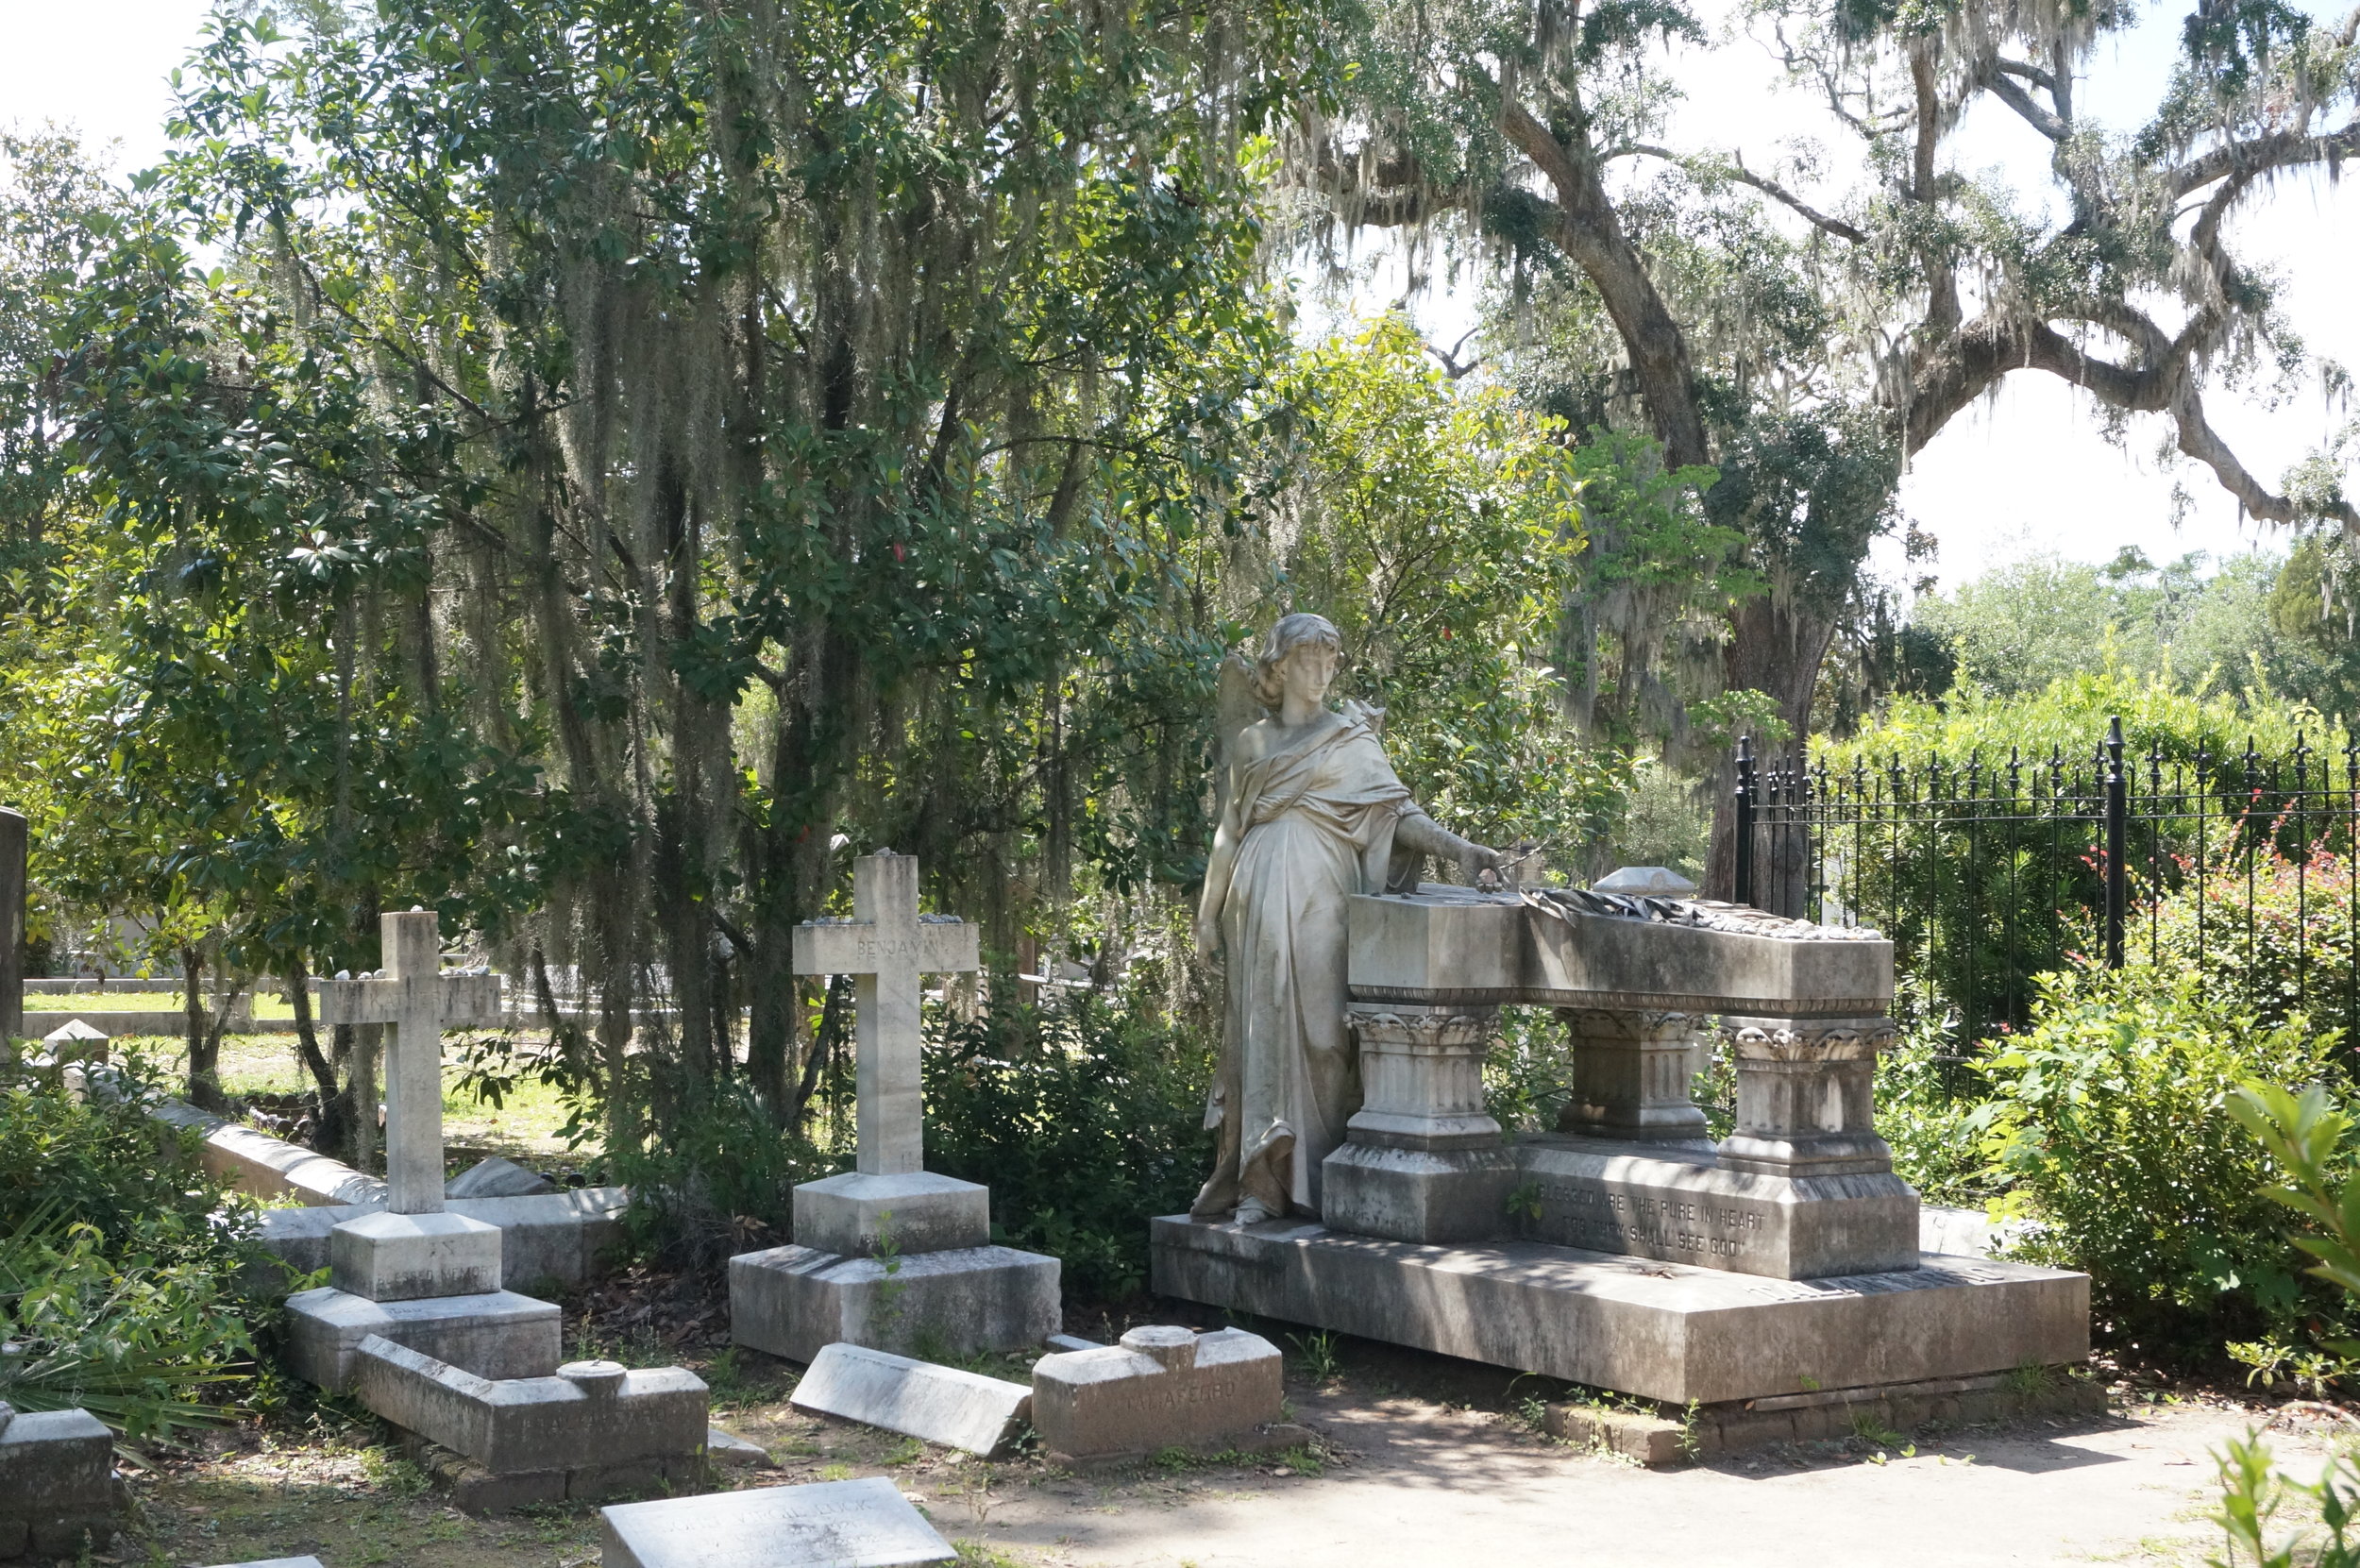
(1307, 672)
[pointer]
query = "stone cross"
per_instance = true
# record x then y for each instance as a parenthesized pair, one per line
(415, 996)
(885, 947)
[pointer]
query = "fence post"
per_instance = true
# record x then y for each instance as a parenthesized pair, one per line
(1746, 785)
(2117, 840)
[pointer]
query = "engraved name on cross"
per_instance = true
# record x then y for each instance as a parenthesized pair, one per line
(885, 947)
(415, 996)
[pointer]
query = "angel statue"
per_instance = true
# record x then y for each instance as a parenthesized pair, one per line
(1310, 814)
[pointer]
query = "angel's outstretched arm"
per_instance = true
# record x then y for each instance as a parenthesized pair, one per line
(1421, 835)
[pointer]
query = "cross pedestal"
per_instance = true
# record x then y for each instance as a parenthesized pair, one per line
(414, 1249)
(414, 1273)
(889, 1254)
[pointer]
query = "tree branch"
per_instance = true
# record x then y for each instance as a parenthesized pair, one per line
(1587, 227)
(2017, 98)
(1779, 193)
(2285, 149)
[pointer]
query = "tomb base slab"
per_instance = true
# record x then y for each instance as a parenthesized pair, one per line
(1667, 1438)
(1657, 1330)
(1417, 1194)
(1645, 1201)
(497, 1335)
(790, 1301)
(919, 1211)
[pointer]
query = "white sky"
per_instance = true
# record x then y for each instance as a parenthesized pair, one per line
(2027, 471)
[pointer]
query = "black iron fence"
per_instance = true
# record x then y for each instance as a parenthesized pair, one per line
(1986, 873)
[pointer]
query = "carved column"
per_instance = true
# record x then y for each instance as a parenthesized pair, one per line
(1806, 1097)
(1631, 1073)
(1422, 1160)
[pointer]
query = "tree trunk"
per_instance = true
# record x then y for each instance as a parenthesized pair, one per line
(1774, 649)
(204, 1085)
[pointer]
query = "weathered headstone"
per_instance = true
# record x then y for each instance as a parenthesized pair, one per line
(1162, 1388)
(888, 1254)
(416, 1249)
(58, 1491)
(833, 1525)
(413, 1272)
(13, 890)
(918, 1399)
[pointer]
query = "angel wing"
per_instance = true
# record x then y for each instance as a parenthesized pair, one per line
(1234, 706)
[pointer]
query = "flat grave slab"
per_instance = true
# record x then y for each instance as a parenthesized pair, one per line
(864, 1523)
(278, 1562)
(918, 1399)
(1664, 1331)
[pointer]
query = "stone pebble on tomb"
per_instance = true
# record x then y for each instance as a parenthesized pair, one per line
(864, 1524)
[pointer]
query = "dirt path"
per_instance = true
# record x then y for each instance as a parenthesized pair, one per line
(1430, 1485)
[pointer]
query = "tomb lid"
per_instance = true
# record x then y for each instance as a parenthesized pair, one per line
(73, 1031)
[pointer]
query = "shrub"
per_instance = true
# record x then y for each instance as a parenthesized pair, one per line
(127, 1274)
(2107, 1126)
(1087, 1118)
(2294, 953)
(1930, 1091)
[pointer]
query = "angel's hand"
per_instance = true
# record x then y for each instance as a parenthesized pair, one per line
(1207, 939)
(1479, 865)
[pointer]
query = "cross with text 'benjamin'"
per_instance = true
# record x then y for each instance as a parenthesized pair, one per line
(884, 947)
(413, 995)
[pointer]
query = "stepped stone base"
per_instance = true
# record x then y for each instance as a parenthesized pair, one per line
(497, 1335)
(1663, 1331)
(790, 1301)
(1682, 1206)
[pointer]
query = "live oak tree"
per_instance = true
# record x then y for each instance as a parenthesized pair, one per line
(1804, 325)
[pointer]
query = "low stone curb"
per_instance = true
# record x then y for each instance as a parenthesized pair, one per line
(475, 1490)
(1662, 1440)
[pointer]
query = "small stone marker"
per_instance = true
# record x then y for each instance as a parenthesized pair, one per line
(833, 1525)
(278, 1563)
(416, 1249)
(1162, 1388)
(77, 1041)
(957, 1410)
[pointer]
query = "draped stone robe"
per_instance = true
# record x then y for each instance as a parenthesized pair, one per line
(1314, 824)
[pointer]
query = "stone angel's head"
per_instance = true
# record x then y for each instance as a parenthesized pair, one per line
(1294, 651)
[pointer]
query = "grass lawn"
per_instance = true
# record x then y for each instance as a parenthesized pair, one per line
(525, 1127)
(266, 1005)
